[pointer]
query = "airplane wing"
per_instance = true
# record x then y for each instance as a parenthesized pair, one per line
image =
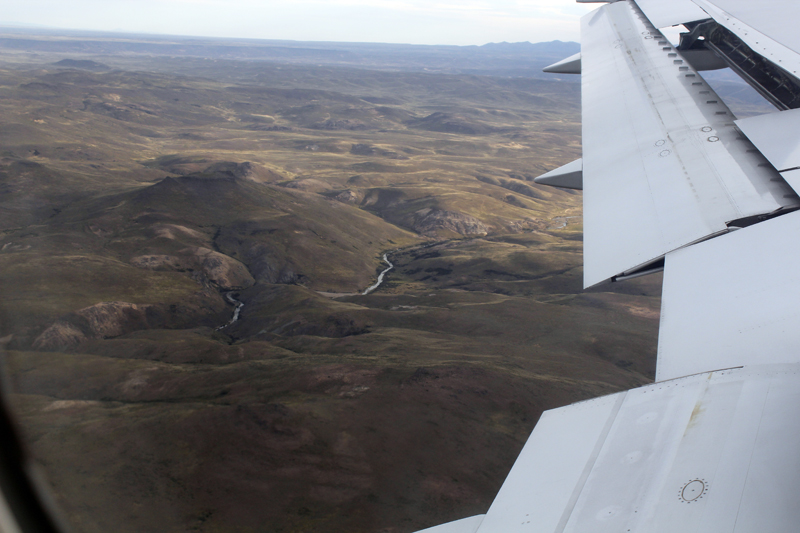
(672, 180)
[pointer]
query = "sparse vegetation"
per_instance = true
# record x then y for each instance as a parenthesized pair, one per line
(138, 189)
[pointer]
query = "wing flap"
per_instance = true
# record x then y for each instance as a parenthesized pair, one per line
(663, 164)
(732, 301)
(775, 135)
(792, 177)
(713, 452)
(548, 476)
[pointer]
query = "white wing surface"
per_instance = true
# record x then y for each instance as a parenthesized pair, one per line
(671, 179)
(693, 454)
(734, 301)
(677, 170)
(662, 14)
(776, 136)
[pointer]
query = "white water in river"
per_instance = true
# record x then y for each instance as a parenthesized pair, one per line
(380, 276)
(236, 311)
(239, 304)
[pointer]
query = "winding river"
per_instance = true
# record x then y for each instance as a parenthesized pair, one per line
(238, 304)
(380, 276)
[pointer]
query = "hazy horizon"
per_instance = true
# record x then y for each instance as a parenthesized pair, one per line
(365, 21)
(32, 28)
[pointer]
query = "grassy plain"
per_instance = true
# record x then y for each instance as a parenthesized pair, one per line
(139, 187)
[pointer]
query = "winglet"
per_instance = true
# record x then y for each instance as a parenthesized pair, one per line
(569, 176)
(570, 65)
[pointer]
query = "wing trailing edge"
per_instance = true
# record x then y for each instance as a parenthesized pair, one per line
(775, 135)
(465, 525)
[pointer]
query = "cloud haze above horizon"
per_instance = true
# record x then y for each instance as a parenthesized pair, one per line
(464, 22)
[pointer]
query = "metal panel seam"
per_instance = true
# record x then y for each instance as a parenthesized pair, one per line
(752, 453)
(660, 471)
(576, 493)
(698, 373)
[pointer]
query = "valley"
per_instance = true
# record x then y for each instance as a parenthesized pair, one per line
(148, 185)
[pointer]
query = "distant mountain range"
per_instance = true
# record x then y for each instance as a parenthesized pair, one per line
(498, 59)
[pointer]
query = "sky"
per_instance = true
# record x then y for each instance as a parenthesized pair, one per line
(458, 22)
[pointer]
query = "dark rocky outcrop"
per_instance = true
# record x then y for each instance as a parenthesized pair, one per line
(429, 221)
(340, 124)
(451, 123)
(112, 319)
(207, 265)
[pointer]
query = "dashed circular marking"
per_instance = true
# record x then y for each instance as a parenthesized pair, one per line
(713, 139)
(706, 129)
(664, 153)
(660, 142)
(693, 490)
